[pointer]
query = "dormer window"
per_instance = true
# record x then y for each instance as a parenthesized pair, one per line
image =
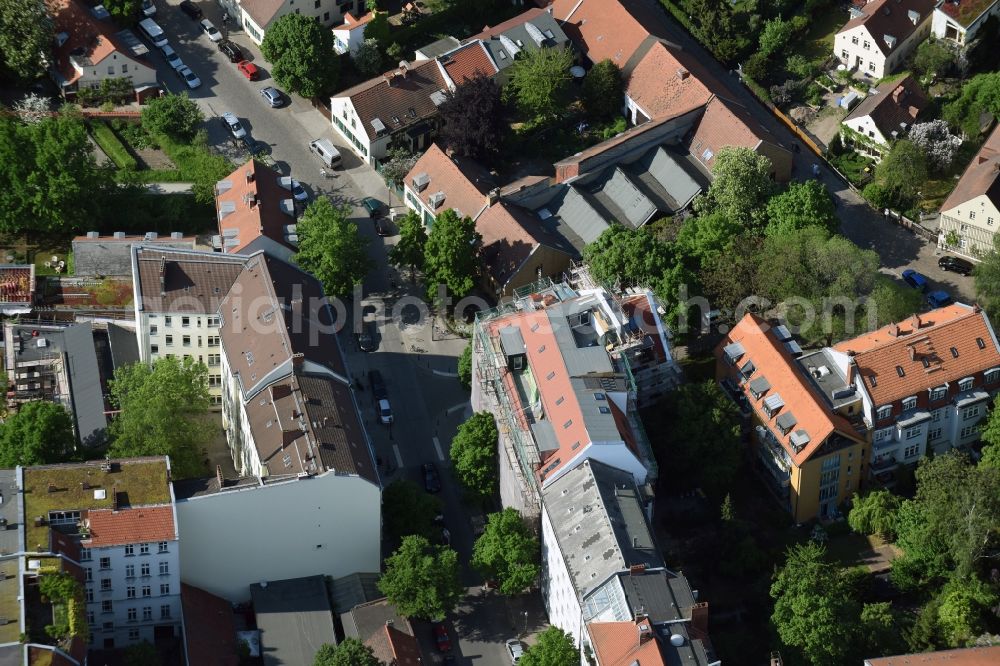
(883, 412)
(939, 392)
(965, 384)
(909, 403)
(991, 375)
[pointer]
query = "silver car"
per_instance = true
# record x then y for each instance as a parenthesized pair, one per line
(515, 649)
(171, 57)
(273, 96)
(233, 123)
(189, 77)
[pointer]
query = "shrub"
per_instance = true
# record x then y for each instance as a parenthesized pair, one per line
(756, 67)
(112, 146)
(878, 196)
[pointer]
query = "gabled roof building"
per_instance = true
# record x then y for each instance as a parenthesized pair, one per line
(256, 211)
(961, 20)
(970, 214)
(882, 34)
(886, 114)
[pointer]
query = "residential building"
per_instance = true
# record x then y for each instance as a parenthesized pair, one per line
(925, 383)
(809, 445)
(177, 294)
(209, 628)
(256, 211)
(379, 625)
(554, 366)
(436, 48)
(878, 41)
(725, 124)
(90, 49)
(349, 37)
(102, 256)
(294, 618)
(603, 576)
(116, 520)
(961, 20)
(886, 114)
(516, 248)
(256, 16)
(659, 86)
(975, 656)
(970, 214)
(17, 289)
(58, 362)
(297, 442)
(532, 30)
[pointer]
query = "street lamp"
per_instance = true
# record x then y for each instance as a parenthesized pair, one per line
(525, 623)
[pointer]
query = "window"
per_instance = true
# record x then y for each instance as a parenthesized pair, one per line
(316, 4)
(186, 340)
(133, 634)
(164, 568)
(883, 412)
(90, 596)
(991, 375)
(84, 554)
(153, 330)
(936, 415)
(167, 320)
(972, 215)
(934, 433)
(883, 434)
(165, 612)
(871, 66)
(965, 384)
(213, 341)
(154, 349)
(144, 549)
(844, 55)
(164, 589)
(107, 606)
(867, 45)
(912, 433)
(105, 563)
(185, 321)
(161, 547)
(147, 613)
(90, 618)
(212, 321)
(130, 571)
(214, 359)
(989, 221)
(147, 591)
(939, 392)
(129, 550)
(130, 592)
(968, 430)
(105, 584)
(168, 340)
(854, 39)
(133, 614)
(90, 575)
(970, 412)
(111, 70)
(326, 15)
(108, 626)
(909, 403)
(145, 568)
(215, 380)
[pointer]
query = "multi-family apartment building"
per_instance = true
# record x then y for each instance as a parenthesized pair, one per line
(176, 298)
(603, 577)
(971, 213)
(116, 521)
(555, 367)
(882, 34)
(256, 211)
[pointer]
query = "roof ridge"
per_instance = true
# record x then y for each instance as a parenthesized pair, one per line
(908, 338)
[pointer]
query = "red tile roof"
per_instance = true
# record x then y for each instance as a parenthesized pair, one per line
(981, 656)
(209, 628)
(890, 104)
(662, 86)
(468, 62)
(134, 525)
(929, 337)
(982, 176)
(620, 644)
(891, 17)
(352, 23)
(604, 29)
(255, 195)
(465, 183)
(94, 38)
(773, 362)
(723, 124)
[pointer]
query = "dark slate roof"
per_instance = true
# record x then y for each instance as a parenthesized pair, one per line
(124, 346)
(294, 617)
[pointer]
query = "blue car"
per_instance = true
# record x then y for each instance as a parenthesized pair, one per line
(938, 299)
(916, 280)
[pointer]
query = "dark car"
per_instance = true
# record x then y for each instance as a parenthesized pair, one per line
(938, 299)
(373, 206)
(432, 480)
(231, 51)
(379, 391)
(382, 227)
(955, 265)
(916, 280)
(441, 638)
(368, 337)
(192, 10)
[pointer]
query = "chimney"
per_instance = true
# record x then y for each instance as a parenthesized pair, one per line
(252, 201)
(645, 632)
(388, 78)
(493, 197)
(699, 618)
(249, 175)
(894, 330)
(913, 353)
(636, 569)
(682, 73)
(917, 323)
(297, 359)
(898, 93)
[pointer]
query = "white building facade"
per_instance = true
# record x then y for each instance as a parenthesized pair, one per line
(960, 21)
(256, 16)
(878, 43)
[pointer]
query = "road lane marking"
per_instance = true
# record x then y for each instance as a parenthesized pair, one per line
(443, 373)
(399, 458)
(455, 408)
(437, 447)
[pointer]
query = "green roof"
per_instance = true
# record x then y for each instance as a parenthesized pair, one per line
(71, 487)
(10, 606)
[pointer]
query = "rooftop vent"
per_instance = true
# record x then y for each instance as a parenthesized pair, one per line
(378, 125)
(93, 234)
(151, 236)
(176, 235)
(100, 493)
(914, 16)
(421, 181)
(436, 199)
(223, 186)
(119, 235)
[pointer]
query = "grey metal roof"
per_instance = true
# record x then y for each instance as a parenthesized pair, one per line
(357, 588)
(506, 46)
(663, 595)
(823, 371)
(597, 416)
(774, 402)
(734, 350)
(124, 345)
(690, 653)
(579, 215)
(760, 385)
(294, 618)
(599, 524)
(545, 435)
(512, 341)
(662, 169)
(618, 197)
(786, 420)
(440, 47)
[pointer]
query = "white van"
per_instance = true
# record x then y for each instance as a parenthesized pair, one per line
(326, 151)
(153, 32)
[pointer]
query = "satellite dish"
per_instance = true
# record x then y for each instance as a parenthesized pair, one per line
(676, 640)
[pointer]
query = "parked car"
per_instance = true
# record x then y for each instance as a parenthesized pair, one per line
(515, 649)
(378, 385)
(384, 412)
(916, 280)
(367, 338)
(299, 192)
(248, 69)
(231, 50)
(938, 299)
(209, 29)
(171, 57)
(273, 96)
(382, 227)
(372, 205)
(188, 77)
(148, 8)
(191, 9)
(432, 480)
(441, 638)
(233, 123)
(956, 265)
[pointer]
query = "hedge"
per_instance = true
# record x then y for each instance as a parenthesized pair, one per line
(112, 146)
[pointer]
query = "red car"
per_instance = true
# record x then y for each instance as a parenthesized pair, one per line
(441, 638)
(248, 69)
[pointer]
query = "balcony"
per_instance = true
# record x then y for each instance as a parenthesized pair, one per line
(886, 444)
(883, 464)
(773, 457)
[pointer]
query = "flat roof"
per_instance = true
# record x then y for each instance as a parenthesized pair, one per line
(294, 617)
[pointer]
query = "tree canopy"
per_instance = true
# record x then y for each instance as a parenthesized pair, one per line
(331, 248)
(540, 82)
(300, 50)
(474, 454)
(349, 652)
(409, 510)
(142, 654)
(163, 411)
(26, 36)
(473, 119)
(741, 185)
(933, 58)
(939, 145)
(465, 367)
(421, 580)
(603, 90)
(369, 58)
(123, 11)
(39, 433)
(508, 552)
(980, 94)
(174, 115)
(874, 513)
(801, 205)
(450, 258)
(410, 249)
(554, 648)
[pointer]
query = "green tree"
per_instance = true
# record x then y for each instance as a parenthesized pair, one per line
(961, 614)
(26, 36)
(800, 66)
(879, 631)
(874, 513)
(507, 552)
(540, 82)
(350, 652)
(741, 185)
(174, 115)
(331, 248)
(933, 58)
(632, 256)
(775, 36)
(142, 654)
(474, 454)
(987, 280)
(163, 411)
(603, 90)
(815, 611)
(378, 29)
(554, 648)
(123, 11)
(410, 250)
(450, 258)
(40, 433)
(889, 301)
(980, 94)
(903, 170)
(801, 205)
(409, 510)
(421, 580)
(399, 162)
(301, 54)
(368, 58)
(473, 119)
(704, 238)
(465, 367)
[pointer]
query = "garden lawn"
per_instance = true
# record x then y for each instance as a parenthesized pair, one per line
(193, 163)
(112, 147)
(817, 45)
